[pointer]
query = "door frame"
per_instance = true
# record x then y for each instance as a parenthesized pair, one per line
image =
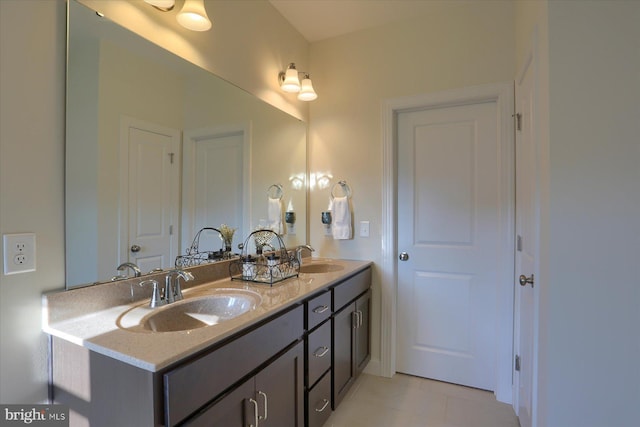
(503, 95)
(127, 122)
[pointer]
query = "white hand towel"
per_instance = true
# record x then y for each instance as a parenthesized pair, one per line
(341, 225)
(275, 215)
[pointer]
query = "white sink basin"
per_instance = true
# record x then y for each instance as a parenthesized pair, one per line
(320, 267)
(191, 313)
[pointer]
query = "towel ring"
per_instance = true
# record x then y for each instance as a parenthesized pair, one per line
(345, 189)
(275, 192)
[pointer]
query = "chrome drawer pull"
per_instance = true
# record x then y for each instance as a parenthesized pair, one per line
(321, 351)
(320, 309)
(324, 406)
(255, 412)
(264, 395)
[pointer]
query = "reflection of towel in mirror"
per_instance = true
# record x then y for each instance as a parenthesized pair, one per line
(341, 225)
(275, 215)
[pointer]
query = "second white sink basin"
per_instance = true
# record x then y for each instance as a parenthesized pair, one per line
(192, 313)
(320, 267)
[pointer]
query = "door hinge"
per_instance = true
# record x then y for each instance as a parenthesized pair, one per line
(171, 230)
(171, 157)
(519, 243)
(517, 363)
(518, 119)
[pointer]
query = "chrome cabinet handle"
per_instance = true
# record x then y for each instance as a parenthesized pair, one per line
(135, 248)
(324, 406)
(264, 395)
(321, 351)
(403, 256)
(354, 320)
(360, 316)
(255, 412)
(524, 280)
(320, 309)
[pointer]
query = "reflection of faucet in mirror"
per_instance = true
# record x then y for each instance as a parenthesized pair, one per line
(124, 266)
(298, 251)
(172, 290)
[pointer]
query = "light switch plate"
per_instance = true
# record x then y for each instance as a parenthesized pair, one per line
(19, 253)
(364, 228)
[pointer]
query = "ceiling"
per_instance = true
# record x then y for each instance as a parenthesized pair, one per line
(322, 19)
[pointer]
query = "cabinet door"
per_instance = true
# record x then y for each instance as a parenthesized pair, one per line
(362, 341)
(279, 390)
(343, 372)
(233, 410)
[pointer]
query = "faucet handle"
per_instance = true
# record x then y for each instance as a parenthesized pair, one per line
(156, 298)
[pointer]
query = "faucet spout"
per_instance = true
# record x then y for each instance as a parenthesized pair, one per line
(132, 266)
(298, 251)
(172, 289)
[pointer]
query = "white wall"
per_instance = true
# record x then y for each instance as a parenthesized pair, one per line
(593, 341)
(32, 61)
(459, 44)
(589, 308)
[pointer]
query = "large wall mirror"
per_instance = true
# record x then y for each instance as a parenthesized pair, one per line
(157, 149)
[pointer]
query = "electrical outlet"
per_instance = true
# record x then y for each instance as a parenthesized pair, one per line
(19, 253)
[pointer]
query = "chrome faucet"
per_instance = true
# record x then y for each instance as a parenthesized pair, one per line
(298, 252)
(172, 289)
(132, 266)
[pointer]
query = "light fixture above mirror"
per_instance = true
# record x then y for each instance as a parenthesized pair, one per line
(290, 82)
(192, 16)
(163, 5)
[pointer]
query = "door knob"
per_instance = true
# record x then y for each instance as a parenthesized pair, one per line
(404, 256)
(524, 280)
(135, 248)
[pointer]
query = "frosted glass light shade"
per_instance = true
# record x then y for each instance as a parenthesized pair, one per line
(164, 5)
(291, 83)
(193, 16)
(306, 91)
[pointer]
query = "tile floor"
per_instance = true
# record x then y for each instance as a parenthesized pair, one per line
(406, 401)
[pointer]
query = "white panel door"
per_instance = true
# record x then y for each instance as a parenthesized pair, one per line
(216, 190)
(152, 185)
(527, 231)
(449, 224)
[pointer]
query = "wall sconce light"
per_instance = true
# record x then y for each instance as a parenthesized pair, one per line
(192, 16)
(163, 5)
(290, 82)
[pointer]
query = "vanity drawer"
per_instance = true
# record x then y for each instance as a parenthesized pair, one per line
(319, 403)
(319, 352)
(351, 288)
(318, 310)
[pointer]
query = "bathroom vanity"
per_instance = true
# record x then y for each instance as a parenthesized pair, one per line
(287, 362)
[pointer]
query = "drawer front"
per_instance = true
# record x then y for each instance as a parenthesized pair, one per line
(319, 402)
(190, 386)
(351, 288)
(318, 310)
(319, 352)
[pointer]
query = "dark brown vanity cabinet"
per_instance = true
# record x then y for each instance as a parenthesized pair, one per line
(288, 370)
(271, 398)
(250, 378)
(351, 332)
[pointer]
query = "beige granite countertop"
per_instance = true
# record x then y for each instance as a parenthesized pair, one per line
(89, 316)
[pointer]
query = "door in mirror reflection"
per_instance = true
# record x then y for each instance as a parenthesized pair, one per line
(215, 177)
(149, 194)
